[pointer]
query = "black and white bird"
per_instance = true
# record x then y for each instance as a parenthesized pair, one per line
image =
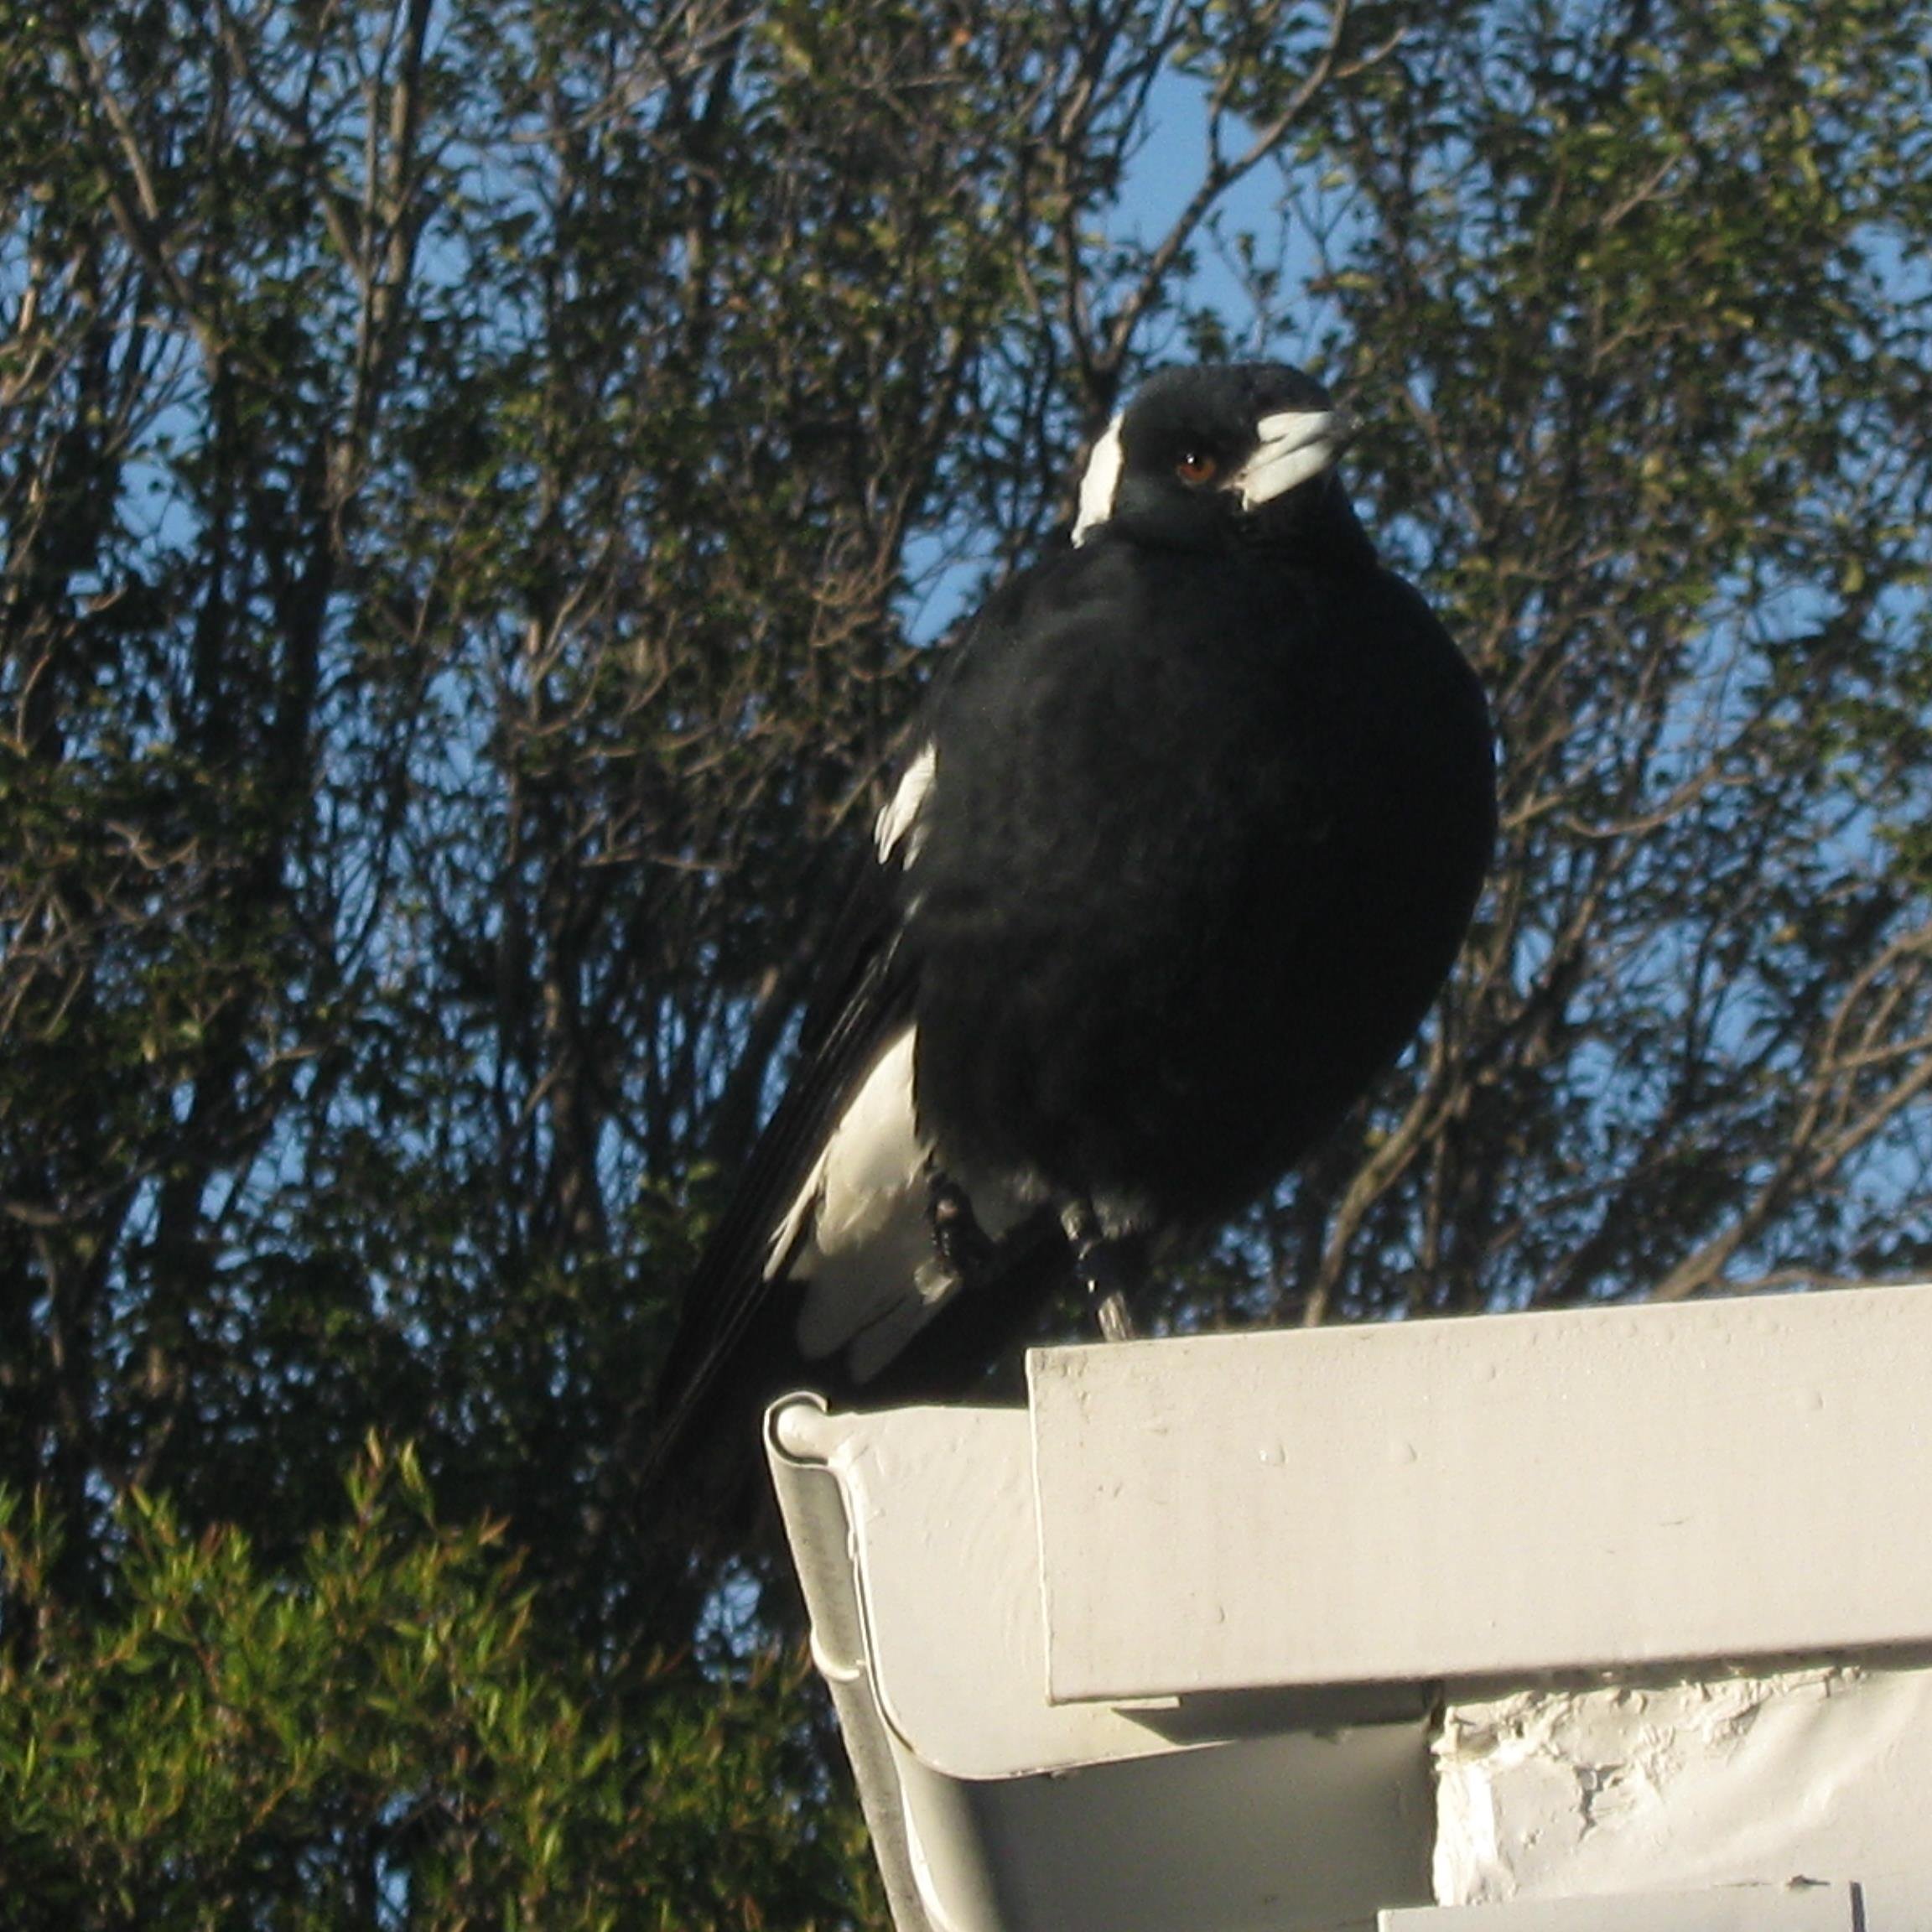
(1189, 841)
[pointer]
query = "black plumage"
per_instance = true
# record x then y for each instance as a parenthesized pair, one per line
(1192, 831)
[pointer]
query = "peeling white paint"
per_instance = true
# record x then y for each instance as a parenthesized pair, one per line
(1818, 1772)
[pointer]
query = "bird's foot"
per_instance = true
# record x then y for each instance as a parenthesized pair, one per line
(964, 1247)
(1106, 1268)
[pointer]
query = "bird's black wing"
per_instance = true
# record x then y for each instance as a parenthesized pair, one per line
(866, 994)
(734, 1339)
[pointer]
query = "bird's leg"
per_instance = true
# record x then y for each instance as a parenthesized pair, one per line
(963, 1246)
(1105, 1268)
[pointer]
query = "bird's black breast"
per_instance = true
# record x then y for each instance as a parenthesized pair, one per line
(1202, 839)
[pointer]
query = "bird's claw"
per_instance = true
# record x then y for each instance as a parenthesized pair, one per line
(1105, 1268)
(962, 1245)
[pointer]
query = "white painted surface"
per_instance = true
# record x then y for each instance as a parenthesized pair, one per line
(941, 1509)
(994, 1811)
(944, 1547)
(1616, 1795)
(1772, 1777)
(1485, 1498)
(1807, 1908)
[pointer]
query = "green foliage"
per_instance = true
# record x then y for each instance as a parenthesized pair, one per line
(377, 1735)
(1649, 280)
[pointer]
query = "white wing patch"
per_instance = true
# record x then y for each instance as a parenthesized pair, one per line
(858, 1237)
(898, 820)
(1101, 480)
(1296, 444)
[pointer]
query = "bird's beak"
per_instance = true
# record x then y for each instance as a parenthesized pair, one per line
(1296, 444)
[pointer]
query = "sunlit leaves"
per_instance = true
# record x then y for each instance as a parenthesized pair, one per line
(378, 1735)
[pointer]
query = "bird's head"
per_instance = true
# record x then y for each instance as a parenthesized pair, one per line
(1216, 454)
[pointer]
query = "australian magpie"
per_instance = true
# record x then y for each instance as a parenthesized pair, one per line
(1189, 837)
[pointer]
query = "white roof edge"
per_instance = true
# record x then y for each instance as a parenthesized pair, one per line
(1604, 1481)
(812, 1503)
(914, 1535)
(1487, 1497)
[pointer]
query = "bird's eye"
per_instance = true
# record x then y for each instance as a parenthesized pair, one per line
(1196, 466)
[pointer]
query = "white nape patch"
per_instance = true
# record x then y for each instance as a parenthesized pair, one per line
(899, 817)
(1101, 480)
(1296, 444)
